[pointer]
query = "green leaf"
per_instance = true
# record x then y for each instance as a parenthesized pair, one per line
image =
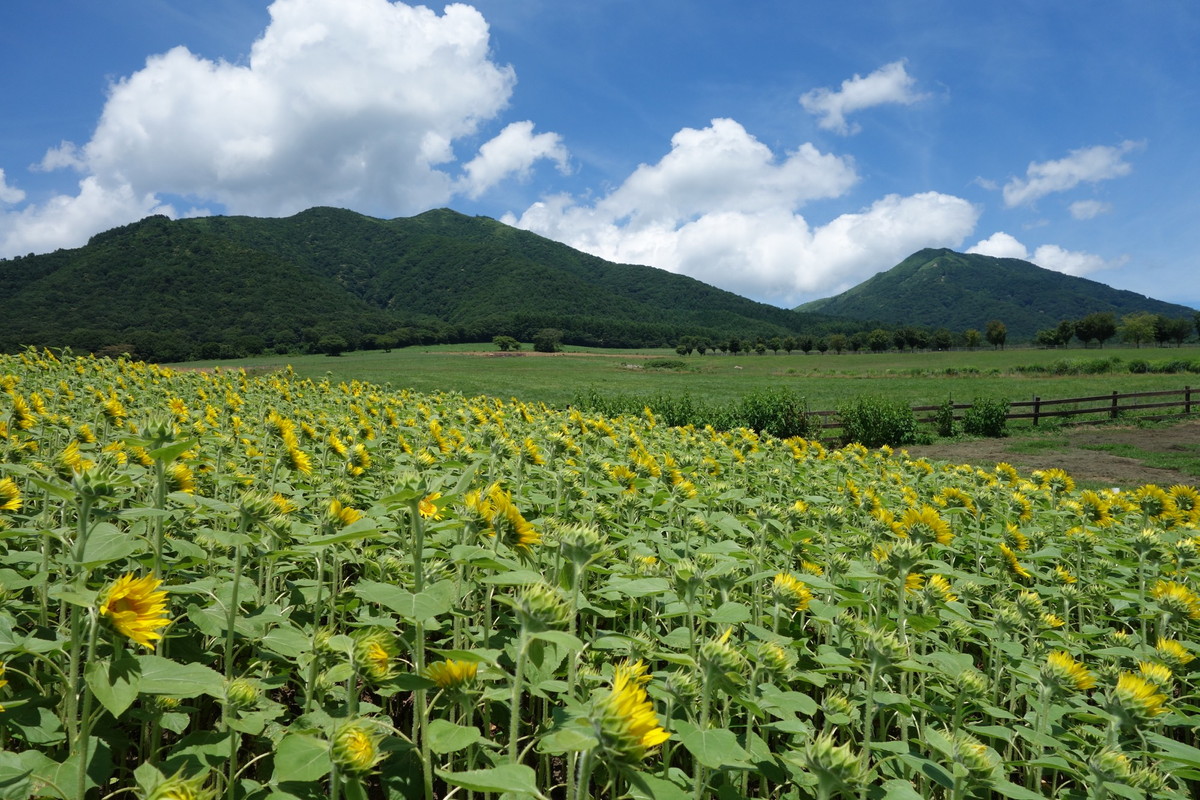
(287, 641)
(730, 613)
(436, 600)
(1013, 791)
(115, 684)
(572, 738)
(505, 778)
(715, 749)
(652, 787)
(640, 587)
(301, 758)
(172, 451)
(560, 638)
(107, 543)
(14, 777)
(1171, 750)
(360, 529)
(900, 790)
(516, 577)
(446, 737)
(162, 676)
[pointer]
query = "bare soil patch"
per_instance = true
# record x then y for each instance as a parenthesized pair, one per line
(1069, 453)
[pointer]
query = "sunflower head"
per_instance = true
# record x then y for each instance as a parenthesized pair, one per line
(375, 652)
(790, 592)
(137, 608)
(451, 675)
(1062, 672)
(625, 720)
(178, 787)
(355, 746)
(1135, 699)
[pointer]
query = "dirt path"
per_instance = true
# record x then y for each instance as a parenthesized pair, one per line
(1067, 451)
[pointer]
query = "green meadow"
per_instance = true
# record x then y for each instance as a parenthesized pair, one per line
(824, 380)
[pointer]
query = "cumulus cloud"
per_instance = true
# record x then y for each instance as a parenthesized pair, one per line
(890, 83)
(1049, 256)
(1000, 245)
(354, 103)
(1088, 209)
(9, 194)
(722, 208)
(1086, 165)
(512, 152)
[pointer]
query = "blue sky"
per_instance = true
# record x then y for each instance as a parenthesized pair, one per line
(784, 151)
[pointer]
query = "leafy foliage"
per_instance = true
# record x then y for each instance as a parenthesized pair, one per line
(164, 289)
(875, 420)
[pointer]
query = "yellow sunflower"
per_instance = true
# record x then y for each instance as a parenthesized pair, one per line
(137, 608)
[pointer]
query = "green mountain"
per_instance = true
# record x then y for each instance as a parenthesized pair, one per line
(221, 285)
(942, 288)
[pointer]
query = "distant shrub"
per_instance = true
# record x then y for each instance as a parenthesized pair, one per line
(664, 363)
(943, 419)
(873, 421)
(986, 418)
(781, 412)
(1139, 366)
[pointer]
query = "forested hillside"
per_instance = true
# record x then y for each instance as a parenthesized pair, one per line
(213, 286)
(941, 288)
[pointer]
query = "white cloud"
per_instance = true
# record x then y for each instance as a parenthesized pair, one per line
(890, 83)
(1048, 256)
(1089, 209)
(355, 103)
(513, 151)
(1000, 245)
(1071, 262)
(720, 207)
(9, 194)
(67, 221)
(1087, 165)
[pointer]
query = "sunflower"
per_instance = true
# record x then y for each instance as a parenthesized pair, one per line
(1177, 599)
(925, 524)
(1138, 698)
(1062, 671)
(355, 746)
(790, 592)
(10, 495)
(450, 675)
(428, 508)
(624, 718)
(137, 608)
(1014, 566)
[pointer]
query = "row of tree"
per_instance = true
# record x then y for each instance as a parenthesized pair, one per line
(1136, 328)
(877, 340)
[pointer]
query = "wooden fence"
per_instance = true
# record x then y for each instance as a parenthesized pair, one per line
(1094, 408)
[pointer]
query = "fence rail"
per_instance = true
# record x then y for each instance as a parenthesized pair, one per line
(1101, 407)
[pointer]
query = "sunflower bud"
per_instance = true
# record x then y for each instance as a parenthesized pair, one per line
(375, 651)
(178, 787)
(541, 606)
(836, 766)
(355, 746)
(242, 693)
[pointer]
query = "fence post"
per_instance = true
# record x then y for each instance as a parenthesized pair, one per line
(1037, 406)
(1187, 400)
(1113, 414)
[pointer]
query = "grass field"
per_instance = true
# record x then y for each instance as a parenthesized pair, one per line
(824, 380)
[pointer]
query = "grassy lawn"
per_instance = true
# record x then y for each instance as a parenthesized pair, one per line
(825, 380)
(1186, 459)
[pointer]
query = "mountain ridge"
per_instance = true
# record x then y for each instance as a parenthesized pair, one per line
(939, 287)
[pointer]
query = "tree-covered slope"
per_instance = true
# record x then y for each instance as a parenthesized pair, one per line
(942, 288)
(244, 282)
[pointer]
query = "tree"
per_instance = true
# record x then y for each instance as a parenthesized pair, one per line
(805, 343)
(701, 346)
(879, 340)
(332, 344)
(943, 339)
(547, 340)
(1099, 325)
(971, 338)
(789, 344)
(838, 342)
(506, 343)
(1138, 327)
(1177, 330)
(822, 345)
(997, 333)
(1066, 332)
(775, 343)
(735, 346)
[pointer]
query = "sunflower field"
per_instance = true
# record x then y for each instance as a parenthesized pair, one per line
(218, 585)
